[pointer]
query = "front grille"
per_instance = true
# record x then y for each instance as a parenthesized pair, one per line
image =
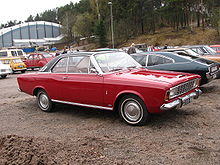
(183, 88)
(3, 70)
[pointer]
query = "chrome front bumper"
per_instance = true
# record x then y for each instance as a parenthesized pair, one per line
(181, 101)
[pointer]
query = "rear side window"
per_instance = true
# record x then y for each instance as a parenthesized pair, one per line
(13, 53)
(60, 66)
(20, 53)
(157, 60)
(140, 59)
(79, 64)
(5, 61)
(3, 54)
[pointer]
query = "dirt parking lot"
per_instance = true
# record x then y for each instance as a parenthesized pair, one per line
(75, 135)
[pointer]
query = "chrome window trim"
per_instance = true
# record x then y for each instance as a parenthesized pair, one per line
(51, 68)
(96, 65)
(84, 105)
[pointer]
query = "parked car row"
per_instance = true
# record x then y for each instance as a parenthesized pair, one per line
(135, 85)
(21, 63)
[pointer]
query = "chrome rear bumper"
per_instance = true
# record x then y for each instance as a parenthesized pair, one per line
(181, 101)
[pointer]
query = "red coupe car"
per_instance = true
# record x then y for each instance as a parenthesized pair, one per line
(37, 60)
(111, 81)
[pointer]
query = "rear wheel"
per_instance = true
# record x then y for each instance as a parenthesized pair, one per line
(44, 102)
(3, 76)
(133, 110)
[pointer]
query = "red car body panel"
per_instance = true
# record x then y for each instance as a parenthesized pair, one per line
(36, 60)
(103, 90)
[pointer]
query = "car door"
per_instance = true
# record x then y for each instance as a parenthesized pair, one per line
(36, 60)
(29, 61)
(81, 85)
(54, 81)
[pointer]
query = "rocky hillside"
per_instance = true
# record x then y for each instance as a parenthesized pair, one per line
(182, 37)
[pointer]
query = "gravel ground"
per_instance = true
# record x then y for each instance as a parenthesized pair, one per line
(76, 135)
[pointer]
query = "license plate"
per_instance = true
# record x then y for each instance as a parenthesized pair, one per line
(214, 76)
(213, 69)
(187, 101)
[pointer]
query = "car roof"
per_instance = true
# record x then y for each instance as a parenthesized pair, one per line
(173, 49)
(167, 54)
(214, 45)
(89, 53)
(50, 63)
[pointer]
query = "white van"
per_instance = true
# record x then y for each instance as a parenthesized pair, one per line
(12, 53)
(4, 70)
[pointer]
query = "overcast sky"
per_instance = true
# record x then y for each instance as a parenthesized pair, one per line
(21, 9)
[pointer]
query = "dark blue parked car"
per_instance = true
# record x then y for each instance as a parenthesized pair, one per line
(207, 69)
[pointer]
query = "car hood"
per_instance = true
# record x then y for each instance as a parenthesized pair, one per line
(163, 77)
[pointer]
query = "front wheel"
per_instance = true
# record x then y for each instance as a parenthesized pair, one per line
(44, 102)
(133, 110)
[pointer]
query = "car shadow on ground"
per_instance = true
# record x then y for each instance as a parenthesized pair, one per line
(162, 119)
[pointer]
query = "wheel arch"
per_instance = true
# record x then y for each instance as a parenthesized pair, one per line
(35, 91)
(124, 93)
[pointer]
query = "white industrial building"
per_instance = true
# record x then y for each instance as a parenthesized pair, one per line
(30, 33)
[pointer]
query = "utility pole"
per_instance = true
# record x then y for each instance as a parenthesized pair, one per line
(113, 44)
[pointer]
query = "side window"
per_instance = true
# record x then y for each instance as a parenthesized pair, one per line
(156, 60)
(61, 65)
(3, 54)
(78, 64)
(30, 57)
(40, 57)
(13, 53)
(19, 52)
(6, 62)
(181, 53)
(140, 59)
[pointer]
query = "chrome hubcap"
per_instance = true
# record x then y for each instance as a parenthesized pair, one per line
(132, 110)
(44, 101)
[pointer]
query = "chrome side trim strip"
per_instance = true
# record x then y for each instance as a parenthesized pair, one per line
(84, 105)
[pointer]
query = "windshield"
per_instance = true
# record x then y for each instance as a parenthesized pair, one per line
(17, 60)
(191, 52)
(189, 57)
(111, 62)
(212, 51)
